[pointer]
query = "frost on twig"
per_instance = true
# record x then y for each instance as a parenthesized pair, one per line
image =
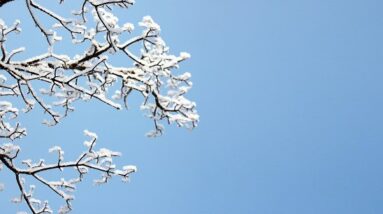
(6, 129)
(97, 160)
(91, 75)
(54, 80)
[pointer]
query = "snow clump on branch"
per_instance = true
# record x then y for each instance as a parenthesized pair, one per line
(53, 81)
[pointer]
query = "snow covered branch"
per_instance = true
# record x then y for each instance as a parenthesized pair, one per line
(53, 81)
(97, 160)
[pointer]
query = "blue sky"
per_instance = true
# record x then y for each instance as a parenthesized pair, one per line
(290, 97)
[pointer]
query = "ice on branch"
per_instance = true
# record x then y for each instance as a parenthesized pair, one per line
(101, 161)
(148, 22)
(90, 134)
(54, 81)
(8, 112)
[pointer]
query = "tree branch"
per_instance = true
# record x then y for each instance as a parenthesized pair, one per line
(2, 2)
(54, 81)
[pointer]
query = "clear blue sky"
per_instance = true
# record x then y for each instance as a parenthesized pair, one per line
(290, 96)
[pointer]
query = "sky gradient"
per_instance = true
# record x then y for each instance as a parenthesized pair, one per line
(290, 98)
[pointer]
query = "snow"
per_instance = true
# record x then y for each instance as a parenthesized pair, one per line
(54, 82)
